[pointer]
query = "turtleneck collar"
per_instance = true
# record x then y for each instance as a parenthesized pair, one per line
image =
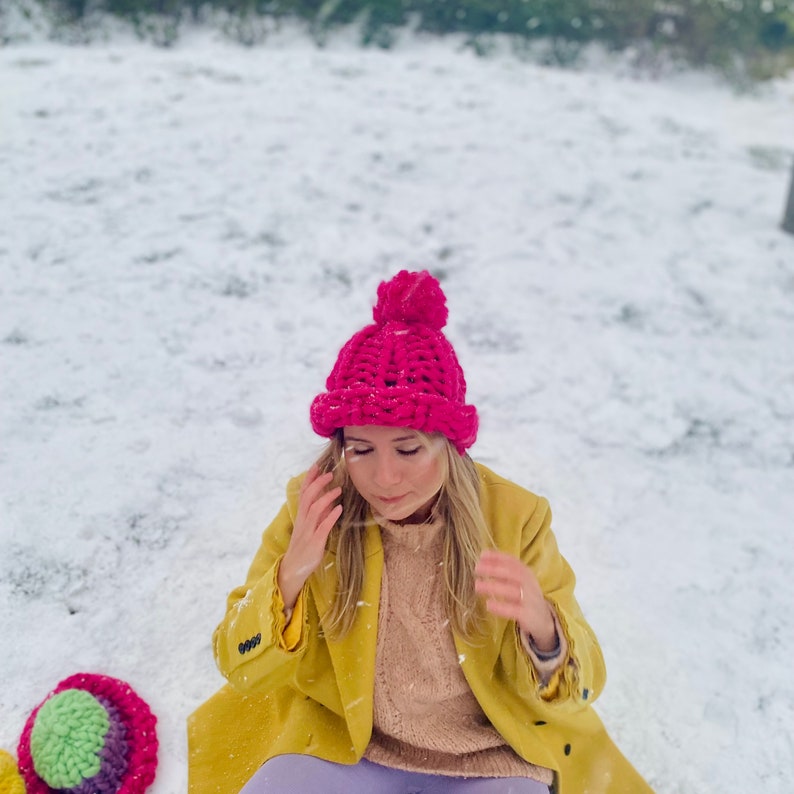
(416, 536)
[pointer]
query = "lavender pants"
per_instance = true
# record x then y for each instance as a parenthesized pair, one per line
(304, 774)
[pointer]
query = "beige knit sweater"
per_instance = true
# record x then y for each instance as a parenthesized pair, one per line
(426, 718)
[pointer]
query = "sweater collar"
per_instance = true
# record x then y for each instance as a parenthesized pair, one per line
(417, 537)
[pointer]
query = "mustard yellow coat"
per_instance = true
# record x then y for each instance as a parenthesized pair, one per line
(317, 698)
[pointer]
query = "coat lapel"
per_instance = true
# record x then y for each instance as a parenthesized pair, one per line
(483, 653)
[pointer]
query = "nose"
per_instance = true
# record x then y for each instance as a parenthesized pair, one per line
(387, 471)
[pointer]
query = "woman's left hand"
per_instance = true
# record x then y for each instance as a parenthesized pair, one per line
(512, 591)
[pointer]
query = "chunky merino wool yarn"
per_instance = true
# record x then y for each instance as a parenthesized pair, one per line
(91, 735)
(80, 717)
(401, 371)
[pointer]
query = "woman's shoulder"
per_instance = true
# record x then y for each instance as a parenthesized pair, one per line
(502, 497)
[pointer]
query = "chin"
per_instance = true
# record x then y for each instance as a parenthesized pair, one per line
(398, 512)
(396, 515)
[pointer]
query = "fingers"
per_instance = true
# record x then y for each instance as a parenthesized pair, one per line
(314, 501)
(327, 524)
(503, 609)
(311, 476)
(317, 513)
(499, 564)
(504, 599)
(499, 581)
(319, 507)
(510, 588)
(314, 521)
(313, 485)
(511, 591)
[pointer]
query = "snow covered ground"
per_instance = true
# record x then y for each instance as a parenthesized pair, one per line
(187, 236)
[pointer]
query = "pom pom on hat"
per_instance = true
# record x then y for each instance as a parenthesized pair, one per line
(412, 298)
(91, 735)
(10, 780)
(402, 371)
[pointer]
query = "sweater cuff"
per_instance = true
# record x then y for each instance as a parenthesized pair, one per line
(290, 635)
(292, 631)
(547, 663)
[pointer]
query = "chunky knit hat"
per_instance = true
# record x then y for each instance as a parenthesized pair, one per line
(401, 371)
(91, 735)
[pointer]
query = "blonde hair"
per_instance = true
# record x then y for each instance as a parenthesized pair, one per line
(465, 536)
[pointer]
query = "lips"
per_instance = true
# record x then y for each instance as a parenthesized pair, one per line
(391, 500)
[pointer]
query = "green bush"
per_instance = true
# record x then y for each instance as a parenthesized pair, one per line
(704, 32)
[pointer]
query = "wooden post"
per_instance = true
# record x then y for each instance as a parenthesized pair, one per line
(788, 217)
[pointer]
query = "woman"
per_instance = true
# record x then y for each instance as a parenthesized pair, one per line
(408, 623)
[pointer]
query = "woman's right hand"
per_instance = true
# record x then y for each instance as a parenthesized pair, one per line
(313, 523)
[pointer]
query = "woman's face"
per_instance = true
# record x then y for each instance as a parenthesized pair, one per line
(396, 470)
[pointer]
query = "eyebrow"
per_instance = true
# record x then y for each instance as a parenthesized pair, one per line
(394, 440)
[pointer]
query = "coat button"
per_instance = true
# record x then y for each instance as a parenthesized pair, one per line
(241, 648)
(258, 638)
(247, 645)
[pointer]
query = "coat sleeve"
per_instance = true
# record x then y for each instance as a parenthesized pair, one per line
(248, 643)
(582, 675)
(580, 678)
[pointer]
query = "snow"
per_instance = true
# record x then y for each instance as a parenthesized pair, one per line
(189, 234)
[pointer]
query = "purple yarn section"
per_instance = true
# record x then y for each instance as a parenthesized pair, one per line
(113, 756)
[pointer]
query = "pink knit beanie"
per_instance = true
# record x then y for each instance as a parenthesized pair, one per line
(401, 371)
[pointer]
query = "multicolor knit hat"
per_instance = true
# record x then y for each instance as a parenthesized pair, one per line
(401, 371)
(91, 735)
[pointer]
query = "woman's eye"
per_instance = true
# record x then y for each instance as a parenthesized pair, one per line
(408, 451)
(359, 452)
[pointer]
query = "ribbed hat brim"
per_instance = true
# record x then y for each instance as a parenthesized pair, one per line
(394, 407)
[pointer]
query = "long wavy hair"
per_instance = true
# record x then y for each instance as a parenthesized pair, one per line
(465, 536)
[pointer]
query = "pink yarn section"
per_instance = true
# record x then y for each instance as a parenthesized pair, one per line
(402, 371)
(138, 720)
(414, 298)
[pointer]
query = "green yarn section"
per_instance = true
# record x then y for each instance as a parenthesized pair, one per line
(67, 736)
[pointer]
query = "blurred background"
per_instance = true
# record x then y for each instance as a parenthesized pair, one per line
(743, 38)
